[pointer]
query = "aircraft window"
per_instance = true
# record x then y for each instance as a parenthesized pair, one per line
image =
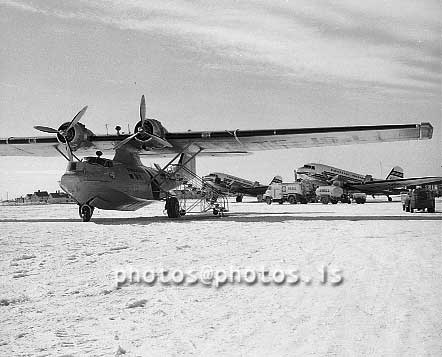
(99, 161)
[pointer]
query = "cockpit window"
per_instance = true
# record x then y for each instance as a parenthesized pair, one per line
(98, 161)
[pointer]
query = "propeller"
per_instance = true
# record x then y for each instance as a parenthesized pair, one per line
(141, 130)
(63, 131)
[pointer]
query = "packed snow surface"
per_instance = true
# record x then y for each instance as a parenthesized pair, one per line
(59, 293)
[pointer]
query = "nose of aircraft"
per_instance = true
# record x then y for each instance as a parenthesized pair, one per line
(302, 170)
(69, 182)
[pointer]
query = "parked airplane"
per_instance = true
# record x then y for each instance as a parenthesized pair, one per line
(230, 184)
(124, 183)
(393, 183)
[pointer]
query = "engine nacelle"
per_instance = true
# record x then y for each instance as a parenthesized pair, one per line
(151, 126)
(77, 136)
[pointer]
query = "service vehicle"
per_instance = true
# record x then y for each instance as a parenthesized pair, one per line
(333, 194)
(359, 197)
(291, 192)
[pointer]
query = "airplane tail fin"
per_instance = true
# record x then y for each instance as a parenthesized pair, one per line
(396, 173)
(276, 179)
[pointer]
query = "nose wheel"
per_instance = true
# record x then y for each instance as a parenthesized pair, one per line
(85, 211)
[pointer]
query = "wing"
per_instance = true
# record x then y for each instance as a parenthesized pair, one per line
(383, 186)
(223, 142)
(273, 139)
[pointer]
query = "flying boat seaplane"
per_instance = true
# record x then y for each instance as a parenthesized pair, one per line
(124, 183)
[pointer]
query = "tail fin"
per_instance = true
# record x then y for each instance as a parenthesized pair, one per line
(276, 179)
(395, 173)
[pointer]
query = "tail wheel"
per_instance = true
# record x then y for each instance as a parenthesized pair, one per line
(86, 212)
(173, 207)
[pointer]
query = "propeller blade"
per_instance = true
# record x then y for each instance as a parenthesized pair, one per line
(46, 129)
(125, 141)
(142, 110)
(69, 151)
(159, 140)
(76, 119)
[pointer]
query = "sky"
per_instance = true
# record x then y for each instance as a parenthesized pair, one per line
(217, 65)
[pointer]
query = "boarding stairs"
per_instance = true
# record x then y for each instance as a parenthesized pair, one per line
(195, 194)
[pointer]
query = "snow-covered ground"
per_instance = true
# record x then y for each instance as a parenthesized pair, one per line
(58, 291)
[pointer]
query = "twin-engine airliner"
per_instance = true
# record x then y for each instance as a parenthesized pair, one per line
(234, 185)
(393, 184)
(124, 183)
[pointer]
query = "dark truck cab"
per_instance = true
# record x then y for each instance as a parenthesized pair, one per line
(419, 199)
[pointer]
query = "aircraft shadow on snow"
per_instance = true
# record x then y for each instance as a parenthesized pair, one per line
(245, 217)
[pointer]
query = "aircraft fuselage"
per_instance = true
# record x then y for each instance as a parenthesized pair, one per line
(112, 185)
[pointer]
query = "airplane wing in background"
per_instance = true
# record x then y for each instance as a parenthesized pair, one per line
(394, 185)
(213, 143)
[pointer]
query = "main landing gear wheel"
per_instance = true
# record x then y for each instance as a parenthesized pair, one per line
(85, 211)
(173, 207)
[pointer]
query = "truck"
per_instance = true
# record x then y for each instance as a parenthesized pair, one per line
(333, 194)
(359, 197)
(419, 199)
(291, 192)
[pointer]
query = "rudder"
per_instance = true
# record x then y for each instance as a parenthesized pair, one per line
(396, 173)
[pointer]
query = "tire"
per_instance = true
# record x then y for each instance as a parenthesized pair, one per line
(259, 198)
(238, 199)
(411, 210)
(407, 208)
(173, 207)
(86, 212)
(215, 212)
(324, 200)
(292, 200)
(268, 200)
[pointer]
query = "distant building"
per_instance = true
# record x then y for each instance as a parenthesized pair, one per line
(60, 197)
(40, 197)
